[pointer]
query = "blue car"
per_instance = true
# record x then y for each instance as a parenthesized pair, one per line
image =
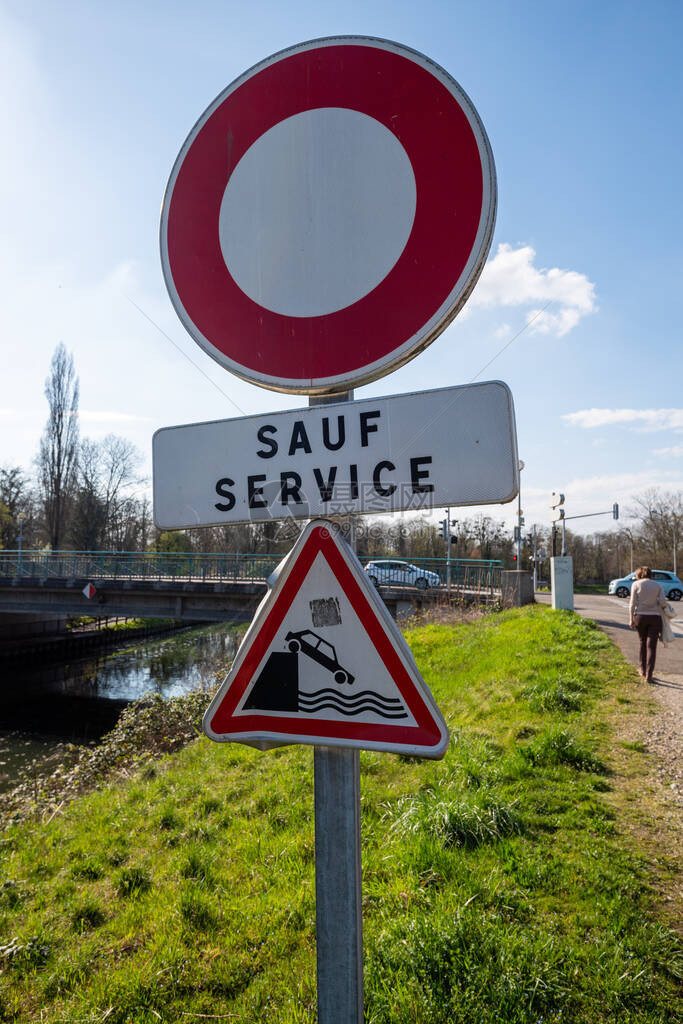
(669, 582)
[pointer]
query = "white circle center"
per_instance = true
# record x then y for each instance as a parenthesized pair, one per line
(317, 212)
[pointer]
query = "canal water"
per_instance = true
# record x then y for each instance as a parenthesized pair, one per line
(78, 701)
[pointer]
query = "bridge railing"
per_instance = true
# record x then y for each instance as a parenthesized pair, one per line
(480, 575)
(137, 565)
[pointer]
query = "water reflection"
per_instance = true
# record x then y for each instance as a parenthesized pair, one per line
(79, 701)
(170, 666)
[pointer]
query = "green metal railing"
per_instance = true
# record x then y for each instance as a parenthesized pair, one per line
(465, 574)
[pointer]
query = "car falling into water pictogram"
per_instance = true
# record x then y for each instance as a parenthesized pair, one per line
(309, 643)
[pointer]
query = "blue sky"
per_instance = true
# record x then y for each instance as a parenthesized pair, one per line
(582, 107)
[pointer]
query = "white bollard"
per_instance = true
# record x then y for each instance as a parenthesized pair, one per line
(562, 583)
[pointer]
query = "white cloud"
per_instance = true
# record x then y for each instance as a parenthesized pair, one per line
(625, 484)
(638, 419)
(511, 279)
(14, 413)
(676, 452)
(111, 417)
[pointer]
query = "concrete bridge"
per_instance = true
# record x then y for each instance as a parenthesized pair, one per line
(187, 587)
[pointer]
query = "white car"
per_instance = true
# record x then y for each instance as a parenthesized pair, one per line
(400, 574)
(670, 583)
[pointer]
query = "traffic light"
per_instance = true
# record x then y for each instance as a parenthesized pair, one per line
(615, 510)
(514, 559)
(444, 529)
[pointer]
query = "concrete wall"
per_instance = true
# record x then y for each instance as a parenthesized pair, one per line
(14, 627)
(517, 588)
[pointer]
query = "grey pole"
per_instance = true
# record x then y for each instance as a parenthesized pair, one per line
(448, 551)
(18, 560)
(338, 908)
(675, 546)
(519, 519)
(674, 524)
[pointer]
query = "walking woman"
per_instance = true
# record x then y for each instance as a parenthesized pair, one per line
(645, 615)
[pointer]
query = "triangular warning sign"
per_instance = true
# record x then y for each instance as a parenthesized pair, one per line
(324, 663)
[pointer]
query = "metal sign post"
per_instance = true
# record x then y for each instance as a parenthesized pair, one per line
(338, 913)
(338, 873)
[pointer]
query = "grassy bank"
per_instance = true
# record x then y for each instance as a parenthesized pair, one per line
(500, 885)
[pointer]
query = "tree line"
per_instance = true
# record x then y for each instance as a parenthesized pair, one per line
(86, 495)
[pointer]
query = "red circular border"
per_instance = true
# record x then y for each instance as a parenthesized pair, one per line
(434, 130)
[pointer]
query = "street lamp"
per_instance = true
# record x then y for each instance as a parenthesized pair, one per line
(674, 525)
(625, 532)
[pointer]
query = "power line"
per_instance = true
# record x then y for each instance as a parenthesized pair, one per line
(508, 343)
(183, 353)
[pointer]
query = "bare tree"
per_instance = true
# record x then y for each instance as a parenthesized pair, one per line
(105, 511)
(88, 519)
(58, 454)
(488, 535)
(660, 516)
(16, 507)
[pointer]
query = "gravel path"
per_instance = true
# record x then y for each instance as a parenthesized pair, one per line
(662, 733)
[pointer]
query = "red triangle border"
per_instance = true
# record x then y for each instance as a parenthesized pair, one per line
(426, 734)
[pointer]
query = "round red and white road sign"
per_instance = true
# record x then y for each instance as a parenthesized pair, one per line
(328, 215)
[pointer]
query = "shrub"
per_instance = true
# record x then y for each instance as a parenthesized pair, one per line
(467, 822)
(560, 747)
(87, 914)
(561, 695)
(196, 910)
(133, 882)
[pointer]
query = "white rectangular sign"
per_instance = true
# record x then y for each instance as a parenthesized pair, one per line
(452, 446)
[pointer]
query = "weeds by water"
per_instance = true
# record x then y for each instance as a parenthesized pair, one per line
(146, 730)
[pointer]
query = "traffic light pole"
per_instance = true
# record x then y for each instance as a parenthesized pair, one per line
(561, 568)
(587, 515)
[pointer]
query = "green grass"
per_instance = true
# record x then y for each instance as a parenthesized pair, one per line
(499, 886)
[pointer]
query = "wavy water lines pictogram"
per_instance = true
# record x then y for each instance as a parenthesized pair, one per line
(351, 704)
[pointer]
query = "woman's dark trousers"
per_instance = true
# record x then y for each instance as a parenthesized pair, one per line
(649, 631)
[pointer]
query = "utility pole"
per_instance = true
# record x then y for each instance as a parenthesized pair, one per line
(674, 525)
(520, 520)
(21, 530)
(448, 552)
(446, 534)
